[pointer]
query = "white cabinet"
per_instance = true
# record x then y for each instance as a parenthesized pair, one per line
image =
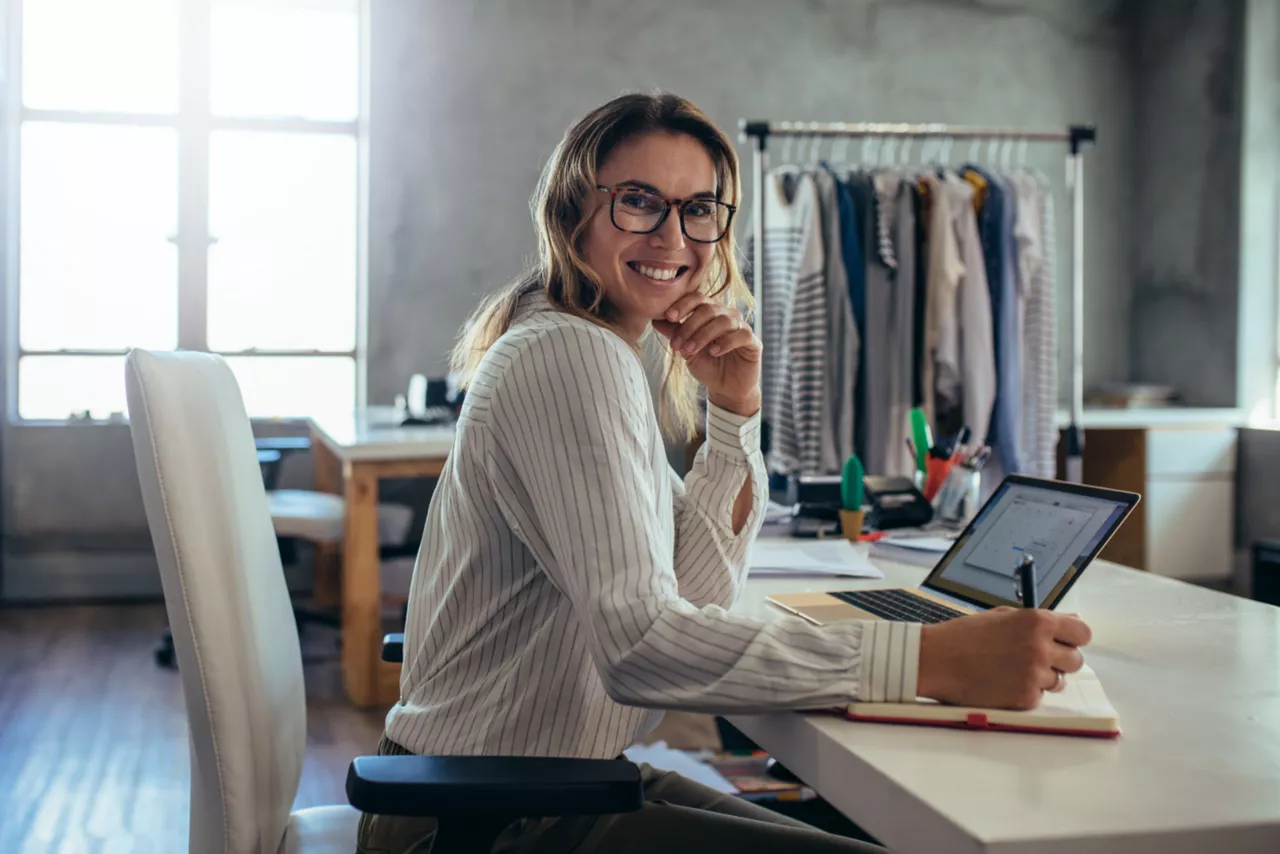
(1190, 497)
(1189, 528)
(1184, 527)
(1185, 453)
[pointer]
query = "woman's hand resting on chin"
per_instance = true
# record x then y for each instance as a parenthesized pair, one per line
(722, 351)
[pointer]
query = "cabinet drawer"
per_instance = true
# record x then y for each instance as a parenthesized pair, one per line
(1192, 452)
(1189, 528)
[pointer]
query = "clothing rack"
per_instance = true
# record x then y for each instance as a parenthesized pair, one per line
(1076, 137)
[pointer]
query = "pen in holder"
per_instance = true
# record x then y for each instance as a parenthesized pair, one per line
(957, 499)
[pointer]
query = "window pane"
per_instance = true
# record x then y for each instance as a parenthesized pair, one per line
(96, 270)
(94, 55)
(282, 275)
(285, 58)
(295, 387)
(53, 387)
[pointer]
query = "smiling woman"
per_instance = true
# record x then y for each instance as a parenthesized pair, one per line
(633, 212)
(570, 585)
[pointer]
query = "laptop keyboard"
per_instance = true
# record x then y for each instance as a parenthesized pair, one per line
(898, 605)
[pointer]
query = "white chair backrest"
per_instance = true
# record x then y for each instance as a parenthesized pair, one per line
(228, 606)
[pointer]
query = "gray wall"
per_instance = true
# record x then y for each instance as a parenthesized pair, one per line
(469, 98)
(1188, 67)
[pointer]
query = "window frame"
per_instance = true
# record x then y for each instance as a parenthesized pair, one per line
(194, 126)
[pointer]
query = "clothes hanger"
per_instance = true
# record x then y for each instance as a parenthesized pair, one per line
(840, 149)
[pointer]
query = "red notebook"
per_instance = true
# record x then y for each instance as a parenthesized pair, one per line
(1081, 708)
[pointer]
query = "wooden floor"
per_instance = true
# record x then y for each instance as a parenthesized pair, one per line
(93, 743)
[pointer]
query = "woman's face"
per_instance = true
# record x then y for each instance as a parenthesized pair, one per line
(643, 274)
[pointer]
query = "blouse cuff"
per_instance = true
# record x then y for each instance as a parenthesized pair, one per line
(735, 436)
(890, 662)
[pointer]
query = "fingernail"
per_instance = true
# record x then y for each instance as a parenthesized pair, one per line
(715, 351)
(671, 314)
(690, 347)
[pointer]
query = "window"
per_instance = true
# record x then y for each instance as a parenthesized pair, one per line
(188, 176)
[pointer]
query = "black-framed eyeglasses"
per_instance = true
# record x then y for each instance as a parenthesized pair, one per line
(640, 211)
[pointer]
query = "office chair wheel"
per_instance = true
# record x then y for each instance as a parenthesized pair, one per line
(164, 652)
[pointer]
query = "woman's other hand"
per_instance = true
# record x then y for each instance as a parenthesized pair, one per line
(722, 351)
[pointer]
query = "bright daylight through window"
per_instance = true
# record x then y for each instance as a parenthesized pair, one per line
(188, 177)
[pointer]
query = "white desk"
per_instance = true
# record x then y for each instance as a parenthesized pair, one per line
(351, 455)
(1195, 677)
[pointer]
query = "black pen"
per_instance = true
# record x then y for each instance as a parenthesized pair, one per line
(1025, 582)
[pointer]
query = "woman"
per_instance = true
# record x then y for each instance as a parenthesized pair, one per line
(569, 585)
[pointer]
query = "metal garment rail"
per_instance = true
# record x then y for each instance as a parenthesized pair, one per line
(1076, 137)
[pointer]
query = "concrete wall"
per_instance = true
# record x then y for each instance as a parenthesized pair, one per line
(1188, 67)
(469, 98)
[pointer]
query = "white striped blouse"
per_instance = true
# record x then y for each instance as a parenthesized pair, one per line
(570, 585)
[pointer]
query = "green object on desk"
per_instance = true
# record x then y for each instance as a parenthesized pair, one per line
(922, 436)
(851, 484)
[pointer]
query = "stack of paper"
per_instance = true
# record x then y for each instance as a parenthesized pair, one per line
(792, 558)
(914, 549)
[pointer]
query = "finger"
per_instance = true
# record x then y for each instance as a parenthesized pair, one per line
(666, 328)
(1059, 683)
(1072, 631)
(715, 328)
(1065, 658)
(681, 308)
(742, 340)
(699, 317)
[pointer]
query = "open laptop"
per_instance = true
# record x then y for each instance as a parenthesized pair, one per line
(1062, 526)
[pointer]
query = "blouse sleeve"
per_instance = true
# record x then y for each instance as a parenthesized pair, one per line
(574, 474)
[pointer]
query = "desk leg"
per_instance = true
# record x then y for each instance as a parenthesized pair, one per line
(361, 590)
(327, 581)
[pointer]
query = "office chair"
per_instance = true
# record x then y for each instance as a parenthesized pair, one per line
(241, 667)
(316, 517)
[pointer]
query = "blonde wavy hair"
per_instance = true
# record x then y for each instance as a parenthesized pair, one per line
(560, 208)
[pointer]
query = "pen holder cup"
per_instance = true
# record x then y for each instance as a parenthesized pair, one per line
(957, 499)
(851, 524)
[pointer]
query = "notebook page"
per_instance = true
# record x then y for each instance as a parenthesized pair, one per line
(1082, 696)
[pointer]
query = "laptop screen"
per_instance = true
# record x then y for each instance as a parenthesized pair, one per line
(1062, 526)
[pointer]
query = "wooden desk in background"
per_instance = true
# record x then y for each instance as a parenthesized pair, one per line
(351, 455)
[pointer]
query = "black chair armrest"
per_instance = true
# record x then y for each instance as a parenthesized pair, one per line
(393, 648)
(516, 786)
